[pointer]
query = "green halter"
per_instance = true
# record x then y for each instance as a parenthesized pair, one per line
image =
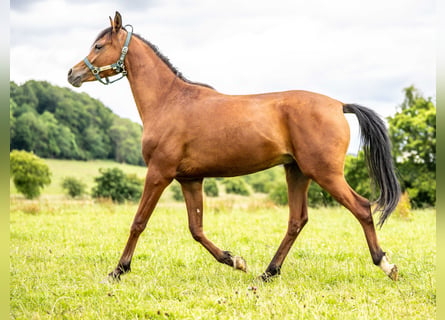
(118, 67)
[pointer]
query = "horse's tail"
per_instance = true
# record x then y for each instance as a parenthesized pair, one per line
(377, 149)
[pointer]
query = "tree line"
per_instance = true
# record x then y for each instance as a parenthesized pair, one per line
(55, 122)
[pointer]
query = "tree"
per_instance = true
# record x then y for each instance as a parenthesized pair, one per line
(94, 143)
(413, 134)
(12, 108)
(126, 136)
(28, 131)
(60, 123)
(357, 176)
(29, 173)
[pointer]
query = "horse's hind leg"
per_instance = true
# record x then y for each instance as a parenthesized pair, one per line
(297, 193)
(192, 191)
(360, 207)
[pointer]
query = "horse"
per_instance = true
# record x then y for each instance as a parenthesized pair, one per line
(191, 131)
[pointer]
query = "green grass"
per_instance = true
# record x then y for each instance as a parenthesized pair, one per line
(61, 250)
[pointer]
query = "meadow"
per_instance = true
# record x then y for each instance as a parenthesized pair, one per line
(61, 251)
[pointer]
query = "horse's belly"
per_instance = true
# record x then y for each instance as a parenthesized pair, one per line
(232, 160)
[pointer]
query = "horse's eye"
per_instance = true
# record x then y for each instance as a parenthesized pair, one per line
(98, 46)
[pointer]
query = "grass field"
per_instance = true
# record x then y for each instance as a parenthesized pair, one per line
(61, 251)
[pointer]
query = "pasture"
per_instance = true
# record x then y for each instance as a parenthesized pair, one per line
(61, 251)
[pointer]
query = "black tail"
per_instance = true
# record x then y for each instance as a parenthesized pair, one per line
(377, 148)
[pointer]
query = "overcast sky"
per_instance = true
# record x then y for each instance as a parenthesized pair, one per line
(361, 52)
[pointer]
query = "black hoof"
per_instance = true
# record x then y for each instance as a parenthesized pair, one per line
(120, 269)
(270, 274)
(115, 276)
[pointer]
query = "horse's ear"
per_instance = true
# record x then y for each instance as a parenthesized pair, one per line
(112, 23)
(117, 23)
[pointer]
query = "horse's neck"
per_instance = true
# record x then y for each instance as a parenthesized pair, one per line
(151, 81)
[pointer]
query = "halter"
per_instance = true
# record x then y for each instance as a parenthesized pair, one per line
(118, 66)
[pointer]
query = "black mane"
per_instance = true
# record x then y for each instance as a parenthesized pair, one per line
(159, 54)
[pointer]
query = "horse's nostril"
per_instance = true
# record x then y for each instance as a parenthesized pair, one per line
(70, 72)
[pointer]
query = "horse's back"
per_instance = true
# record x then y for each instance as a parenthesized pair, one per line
(234, 135)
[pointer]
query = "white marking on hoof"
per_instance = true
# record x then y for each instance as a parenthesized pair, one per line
(389, 269)
(239, 263)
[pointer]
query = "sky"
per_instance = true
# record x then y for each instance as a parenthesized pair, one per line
(358, 51)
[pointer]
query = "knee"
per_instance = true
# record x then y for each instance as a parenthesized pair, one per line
(137, 227)
(295, 227)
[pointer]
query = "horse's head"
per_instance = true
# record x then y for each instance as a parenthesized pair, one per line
(106, 57)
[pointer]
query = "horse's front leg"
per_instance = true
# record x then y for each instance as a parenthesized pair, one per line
(192, 191)
(154, 185)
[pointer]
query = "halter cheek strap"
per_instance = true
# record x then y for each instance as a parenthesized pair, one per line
(118, 66)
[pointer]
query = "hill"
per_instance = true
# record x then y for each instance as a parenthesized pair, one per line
(58, 123)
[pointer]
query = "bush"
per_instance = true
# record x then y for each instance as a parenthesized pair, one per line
(30, 174)
(211, 188)
(236, 186)
(177, 192)
(403, 209)
(261, 183)
(115, 184)
(73, 187)
(318, 197)
(278, 193)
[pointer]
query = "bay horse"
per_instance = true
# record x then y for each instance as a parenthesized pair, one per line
(191, 131)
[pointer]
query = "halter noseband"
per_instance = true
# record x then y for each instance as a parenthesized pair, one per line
(118, 66)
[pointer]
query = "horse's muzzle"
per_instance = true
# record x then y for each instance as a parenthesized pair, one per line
(74, 78)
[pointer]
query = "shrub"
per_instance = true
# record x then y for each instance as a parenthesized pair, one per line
(236, 186)
(403, 209)
(30, 174)
(318, 197)
(278, 193)
(211, 188)
(261, 183)
(115, 184)
(73, 187)
(177, 191)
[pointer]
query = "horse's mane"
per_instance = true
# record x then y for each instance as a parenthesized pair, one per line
(159, 54)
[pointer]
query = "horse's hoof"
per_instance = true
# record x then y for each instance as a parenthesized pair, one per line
(270, 273)
(239, 263)
(266, 277)
(115, 276)
(390, 269)
(394, 273)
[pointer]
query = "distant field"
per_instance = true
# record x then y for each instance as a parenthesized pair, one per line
(61, 251)
(84, 170)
